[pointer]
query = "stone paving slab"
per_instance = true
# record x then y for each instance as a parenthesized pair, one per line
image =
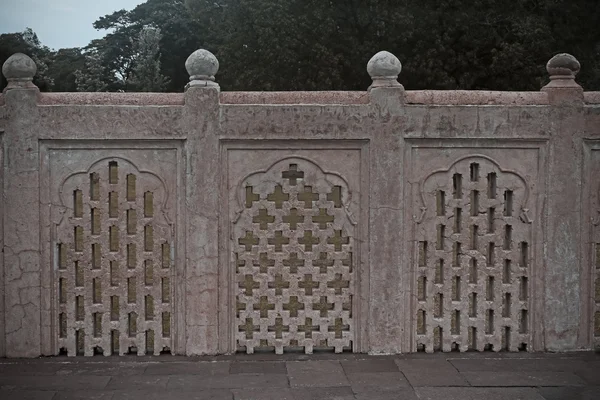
(27, 394)
(316, 374)
(531, 378)
(519, 364)
(396, 394)
(324, 393)
(104, 369)
(138, 382)
(85, 395)
(54, 383)
(469, 393)
(240, 381)
(211, 394)
(571, 393)
(376, 364)
(263, 394)
(495, 376)
(24, 369)
(591, 374)
(423, 372)
(364, 381)
(258, 367)
(186, 368)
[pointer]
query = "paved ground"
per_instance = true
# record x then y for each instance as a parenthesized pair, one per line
(452, 376)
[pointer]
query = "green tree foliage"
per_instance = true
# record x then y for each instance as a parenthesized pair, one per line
(147, 76)
(326, 44)
(27, 42)
(62, 68)
(443, 44)
(180, 35)
(94, 76)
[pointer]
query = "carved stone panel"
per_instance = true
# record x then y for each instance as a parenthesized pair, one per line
(473, 257)
(113, 234)
(293, 246)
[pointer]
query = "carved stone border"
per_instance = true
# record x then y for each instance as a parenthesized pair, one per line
(414, 209)
(227, 278)
(49, 300)
(589, 230)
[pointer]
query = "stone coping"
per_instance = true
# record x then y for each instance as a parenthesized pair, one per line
(320, 97)
(103, 98)
(591, 97)
(475, 97)
(417, 97)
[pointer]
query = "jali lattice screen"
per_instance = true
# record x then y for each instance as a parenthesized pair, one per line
(293, 244)
(113, 255)
(595, 243)
(473, 259)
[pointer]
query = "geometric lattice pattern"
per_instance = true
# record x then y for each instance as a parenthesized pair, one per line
(114, 263)
(293, 262)
(596, 245)
(473, 260)
(596, 264)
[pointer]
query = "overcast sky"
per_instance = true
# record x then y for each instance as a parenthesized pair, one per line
(59, 23)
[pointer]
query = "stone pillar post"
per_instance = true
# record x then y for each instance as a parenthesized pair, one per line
(21, 251)
(200, 282)
(388, 315)
(563, 240)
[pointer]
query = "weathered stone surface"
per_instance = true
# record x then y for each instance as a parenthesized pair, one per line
(477, 393)
(263, 394)
(311, 374)
(138, 382)
(562, 69)
(531, 378)
(474, 231)
(53, 383)
(115, 224)
(579, 393)
(315, 97)
(210, 394)
(371, 365)
(185, 368)
(258, 367)
(105, 98)
(189, 382)
(422, 372)
(204, 378)
(19, 70)
(362, 382)
(83, 395)
(202, 66)
(28, 394)
(67, 370)
(590, 373)
(563, 64)
(384, 68)
(325, 393)
(520, 364)
(352, 184)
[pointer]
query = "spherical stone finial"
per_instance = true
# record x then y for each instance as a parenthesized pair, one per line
(562, 69)
(384, 68)
(202, 65)
(19, 70)
(563, 64)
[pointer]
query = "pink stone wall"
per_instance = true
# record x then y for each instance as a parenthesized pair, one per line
(520, 166)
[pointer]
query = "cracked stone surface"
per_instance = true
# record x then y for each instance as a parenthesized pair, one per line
(382, 222)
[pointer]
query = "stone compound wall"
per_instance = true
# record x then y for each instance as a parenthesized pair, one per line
(383, 221)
